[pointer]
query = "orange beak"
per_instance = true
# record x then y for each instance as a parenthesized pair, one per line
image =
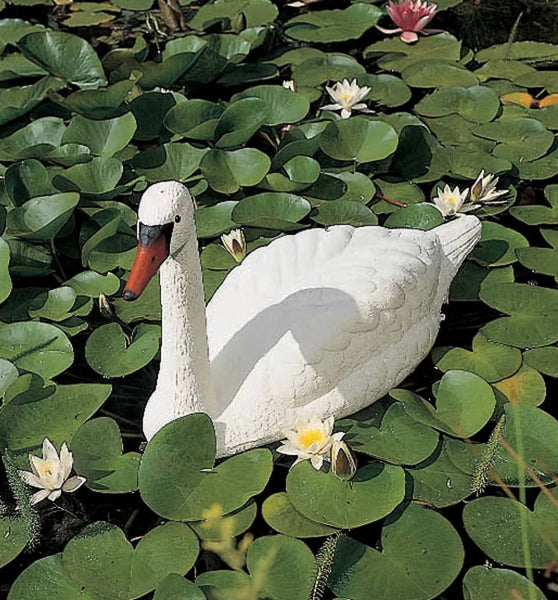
(153, 249)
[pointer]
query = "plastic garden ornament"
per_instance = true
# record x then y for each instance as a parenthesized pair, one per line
(314, 325)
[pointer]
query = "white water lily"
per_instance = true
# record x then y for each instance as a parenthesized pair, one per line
(347, 97)
(289, 84)
(449, 202)
(51, 473)
(484, 191)
(311, 441)
(235, 244)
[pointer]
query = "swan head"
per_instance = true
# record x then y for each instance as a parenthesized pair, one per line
(161, 207)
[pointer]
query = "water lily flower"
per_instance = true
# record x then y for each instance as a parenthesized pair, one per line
(347, 97)
(449, 202)
(484, 191)
(289, 85)
(311, 441)
(411, 17)
(51, 473)
(235, 244)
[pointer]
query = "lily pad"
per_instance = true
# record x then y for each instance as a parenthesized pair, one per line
(498, 245)
(464, 404)
(228, 171)
(271, 211)
(174, 161)
(212, 221)
(526, 387)
(103, 138)
(361, 573)
(544, 360)
(5, 280)
(487, 583)
(433, 74)
(494, 523)
(240, 121)
(539, 215)
(112, 354)
(478, 104)
(14, 536)
(281, 515)
(119, 572)
(489, 360)
(374, 492)
(178, 479)
(175, 587)
(399, 439)
(326, 26)
(50, 50)
(358, 139)
(343, 212)
(334, 67)
(195, 119)
(97, 177)
(97, 448)
(417, 216)
(283, 106)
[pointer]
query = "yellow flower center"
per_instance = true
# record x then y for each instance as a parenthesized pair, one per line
(310, 436)
(345, 97)
(453, 199)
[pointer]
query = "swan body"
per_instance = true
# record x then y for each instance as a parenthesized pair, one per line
(317, 324)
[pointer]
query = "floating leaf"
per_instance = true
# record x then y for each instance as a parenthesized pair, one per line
(212, 221)
(526, 386)
(227, 171)
(97, 449)
(283, 106)
(464, 404)
(344, 212)
(169, 162)
(484, 582)
(538, 215)
(433, 74)
(178, 478)
(194, 119)
(498, 245)
(109, 352)
(50, 50)
(358, 139)
(103, 138)
(544, 360)
(272, 211)
(417, 216)
(14, 536)
(476, 103)
(374, 492)
(5, 280)
(361, 573)
(240, 121)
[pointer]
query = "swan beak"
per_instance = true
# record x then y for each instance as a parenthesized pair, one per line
(153, 249)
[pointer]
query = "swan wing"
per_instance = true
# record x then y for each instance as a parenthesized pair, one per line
(300, 315)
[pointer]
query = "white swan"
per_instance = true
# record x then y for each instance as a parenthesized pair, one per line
(319, 323)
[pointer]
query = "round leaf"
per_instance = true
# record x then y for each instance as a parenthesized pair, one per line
(271, 211)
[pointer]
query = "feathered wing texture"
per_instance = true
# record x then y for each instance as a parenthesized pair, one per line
(318, 321)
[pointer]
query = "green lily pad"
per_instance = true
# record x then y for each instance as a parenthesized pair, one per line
(14, 536)
(343, 212)
(240, 121)
(36, 347)
(527, 305)
(175, 587)
(361, 573)
(56, 412)
(227, 171)
(487, 583)
(112, 354)
(498, 245)
(35, 139)
(399, 439)
(18, 101)
(50, 50)
(476, 103)
(539, 215)
(96, 177)
(464, 404)
(467, 284)
(103, 138)
(12, 30)
(489, 360)
(91, 284)
(97, 449)
(178, 478)
(146, 308)
(544, 360)
(42, 218)
(417, 216)
(28, 260)
(528, 51)
(494, 524)
(195, 119)
(212, 221)
(227, 526)
(526, 386)
(27, 179)
(334, 67)
(174, 161)
(285, 567)
(374, 492)
(8, 374)
(358, 139)
(327, 26)
(283, 106)
(281, 515)
(5, 280)
(271, 211)
(541, 260)
(529, 138)
(438, 481)
(48, 576)
(55, 305)
(256, 13)
(359, 187)
(119, 572)
(433, 74)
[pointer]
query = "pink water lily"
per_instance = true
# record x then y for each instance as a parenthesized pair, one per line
(411, 17)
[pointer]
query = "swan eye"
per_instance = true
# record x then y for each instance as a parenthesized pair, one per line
(177, 219)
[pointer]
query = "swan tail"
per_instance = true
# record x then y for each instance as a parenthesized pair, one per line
(458, 238)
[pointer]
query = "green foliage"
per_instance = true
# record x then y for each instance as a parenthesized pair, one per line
(87, 124)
